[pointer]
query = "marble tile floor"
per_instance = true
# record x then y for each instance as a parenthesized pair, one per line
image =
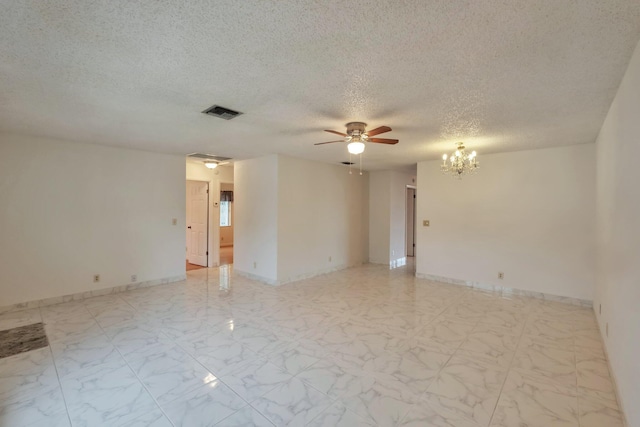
(366, 346)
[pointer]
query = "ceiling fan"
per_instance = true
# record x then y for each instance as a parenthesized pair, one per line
(357, 135)
(214, 164)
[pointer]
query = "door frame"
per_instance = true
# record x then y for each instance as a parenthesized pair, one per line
(406, 214)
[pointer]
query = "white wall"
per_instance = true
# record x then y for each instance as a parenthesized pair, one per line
(69, 211)
(387, 211)
(322, 213)
(379, 217)
(256, 229)
(226, 233)
(529, 214)
(618, 212)
(196, 171)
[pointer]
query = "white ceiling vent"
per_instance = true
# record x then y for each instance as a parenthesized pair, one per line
(222, 112)
(210, 157)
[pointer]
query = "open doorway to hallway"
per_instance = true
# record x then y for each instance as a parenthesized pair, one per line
(226, 223)
(197, 214)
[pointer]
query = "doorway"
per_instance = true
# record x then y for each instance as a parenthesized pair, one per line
(197, 214)
(226, 223)
(411, 222)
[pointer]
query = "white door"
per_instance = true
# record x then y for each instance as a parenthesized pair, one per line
(197, 215)
(411, 221)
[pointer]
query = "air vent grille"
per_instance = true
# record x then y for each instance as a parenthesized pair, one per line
(208, 157)
(222, 112)
(347, 163)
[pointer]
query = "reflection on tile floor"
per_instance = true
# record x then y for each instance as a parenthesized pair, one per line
(365, 346)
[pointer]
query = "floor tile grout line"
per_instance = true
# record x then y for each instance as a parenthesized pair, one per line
(422, 395)
(134, 372)
(575, 361)
(506, 377)
(248, 404)
(55, 366)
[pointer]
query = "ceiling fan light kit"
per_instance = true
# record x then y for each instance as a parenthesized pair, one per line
(460, 162)
(355, 147)
(211, 165)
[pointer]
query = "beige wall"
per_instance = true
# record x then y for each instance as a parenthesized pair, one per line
(256, 229)
(293, 215)
(387, 207)
(528, 214)
(322, 218)
(69, 211)
(618, 211)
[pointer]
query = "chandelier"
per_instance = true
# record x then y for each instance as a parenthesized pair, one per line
(460, 162)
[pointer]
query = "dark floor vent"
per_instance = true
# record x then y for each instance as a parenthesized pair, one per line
(223, 113)
(347, 163)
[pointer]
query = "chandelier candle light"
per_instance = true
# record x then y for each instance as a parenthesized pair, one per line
(460, 162)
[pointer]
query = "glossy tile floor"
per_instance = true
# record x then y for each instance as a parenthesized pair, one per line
(361, 347)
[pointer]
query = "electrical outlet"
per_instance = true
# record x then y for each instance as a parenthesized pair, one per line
(501, 275)
(134, 278)
(174, 221)
(96, 278)
(607, 329)
(329, 258)
(600, 309)
(255, 264)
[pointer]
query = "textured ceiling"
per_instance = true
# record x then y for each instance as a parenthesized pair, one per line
(500, 75)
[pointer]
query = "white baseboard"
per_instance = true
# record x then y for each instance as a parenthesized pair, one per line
(295, 278)
(612, 373)
(255, 277)
(90, 294)
(506, 290)
(394, 263)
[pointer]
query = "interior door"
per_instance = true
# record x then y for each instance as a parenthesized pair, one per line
(197, 218)
(411, 222)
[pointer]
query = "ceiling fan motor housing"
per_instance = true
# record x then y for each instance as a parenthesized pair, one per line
(356, 128)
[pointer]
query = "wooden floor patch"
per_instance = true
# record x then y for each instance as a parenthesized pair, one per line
(21, 339)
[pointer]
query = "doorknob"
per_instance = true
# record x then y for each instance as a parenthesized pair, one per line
(189, 227)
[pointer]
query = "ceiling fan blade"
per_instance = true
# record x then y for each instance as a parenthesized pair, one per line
(336, 132)
(329, 142)
(377, 131)
(383, 140)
